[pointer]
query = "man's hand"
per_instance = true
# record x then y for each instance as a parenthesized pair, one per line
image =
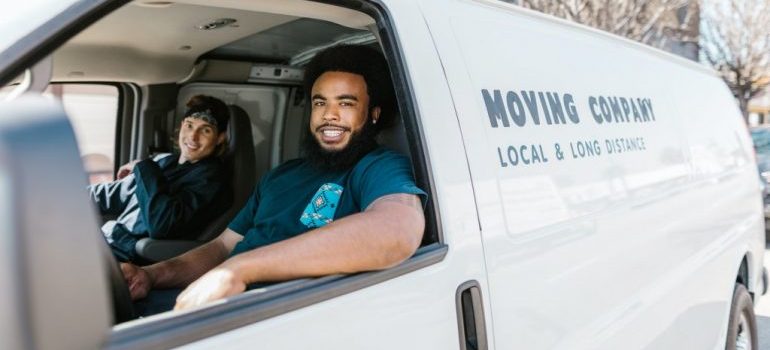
(137, 279)
(126, 169)
(216, 284)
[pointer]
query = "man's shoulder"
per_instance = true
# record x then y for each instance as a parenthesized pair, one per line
(382, 156)
(288, 166)
(163, 158)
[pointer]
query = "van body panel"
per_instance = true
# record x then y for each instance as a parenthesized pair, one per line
(575, 141)
(598, 193)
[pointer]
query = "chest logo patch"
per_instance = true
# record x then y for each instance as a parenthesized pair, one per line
(320, 211)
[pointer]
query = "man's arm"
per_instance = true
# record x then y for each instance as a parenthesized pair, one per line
(182, 270)
(110, 198)
(385, 234)
(162, 209)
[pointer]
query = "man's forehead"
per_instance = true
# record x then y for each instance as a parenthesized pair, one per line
(335, 84)
(197, 121)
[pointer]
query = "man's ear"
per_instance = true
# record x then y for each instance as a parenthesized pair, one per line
(221, 138)
(375, 114)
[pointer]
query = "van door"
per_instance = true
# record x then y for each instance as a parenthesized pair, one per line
(442, 305)
(591, 223)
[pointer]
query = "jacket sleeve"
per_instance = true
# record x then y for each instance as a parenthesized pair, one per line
(111, 198)
(162, 210)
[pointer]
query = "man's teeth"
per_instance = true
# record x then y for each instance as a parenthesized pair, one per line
(332, 133)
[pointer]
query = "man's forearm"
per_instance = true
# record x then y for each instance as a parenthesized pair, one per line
(372, 240)
(186, 268)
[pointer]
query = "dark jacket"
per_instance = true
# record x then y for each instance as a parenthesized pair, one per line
(161, 199)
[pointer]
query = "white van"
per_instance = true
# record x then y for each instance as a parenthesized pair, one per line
(586, 192)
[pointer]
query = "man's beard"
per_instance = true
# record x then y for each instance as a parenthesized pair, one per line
(361, 142)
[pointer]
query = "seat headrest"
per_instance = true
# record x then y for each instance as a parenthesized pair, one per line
(238, 129)
(394, 137)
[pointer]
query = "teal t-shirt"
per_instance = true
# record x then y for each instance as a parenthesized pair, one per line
(297, 197)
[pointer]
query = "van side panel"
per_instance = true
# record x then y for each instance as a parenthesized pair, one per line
(616, 189)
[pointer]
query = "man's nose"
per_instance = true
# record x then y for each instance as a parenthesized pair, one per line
(331, 113)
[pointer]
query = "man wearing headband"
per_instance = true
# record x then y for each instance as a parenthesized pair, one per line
(347, 206)
(170, 195)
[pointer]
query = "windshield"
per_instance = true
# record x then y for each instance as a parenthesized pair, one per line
(19, 18)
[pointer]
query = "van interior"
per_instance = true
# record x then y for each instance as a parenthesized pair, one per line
(125, 79)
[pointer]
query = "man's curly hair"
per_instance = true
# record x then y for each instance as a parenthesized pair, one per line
(366, 62)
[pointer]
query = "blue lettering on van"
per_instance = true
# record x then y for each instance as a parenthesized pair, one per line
(585, 149)
(516, 108)
(495, 108)
(529, 99)
(569, 104)
(624, 145)
(594, 109)
(614, 109)
(555, 108)
(560, 108)
(521, 155)
(532, 154)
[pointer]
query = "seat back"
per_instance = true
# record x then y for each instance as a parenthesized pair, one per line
(394, 137)
(241, 165)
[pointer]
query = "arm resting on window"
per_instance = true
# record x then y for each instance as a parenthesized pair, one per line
(388, 232)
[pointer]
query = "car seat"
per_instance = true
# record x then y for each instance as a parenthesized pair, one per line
(241, 166)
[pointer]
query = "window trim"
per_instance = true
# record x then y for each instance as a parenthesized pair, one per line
(252, 307)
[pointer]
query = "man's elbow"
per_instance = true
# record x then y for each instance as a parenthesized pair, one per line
(405, 243)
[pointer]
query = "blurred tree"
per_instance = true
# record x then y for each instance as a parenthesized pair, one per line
(653, 22)
(736, 42)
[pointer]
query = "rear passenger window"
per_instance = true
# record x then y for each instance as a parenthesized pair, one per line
(93, 111)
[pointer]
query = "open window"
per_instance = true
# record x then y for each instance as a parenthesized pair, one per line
(93, 112)
(250, 54)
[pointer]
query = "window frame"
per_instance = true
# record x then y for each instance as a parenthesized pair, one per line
(253, 306)
(46, 38)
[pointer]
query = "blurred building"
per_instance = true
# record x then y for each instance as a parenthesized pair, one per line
(689, 18)
(759, 108)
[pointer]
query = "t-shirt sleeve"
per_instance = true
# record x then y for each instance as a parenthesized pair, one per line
(389, 173)
(245, 218)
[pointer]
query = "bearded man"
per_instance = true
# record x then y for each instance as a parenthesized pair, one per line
(347, 206)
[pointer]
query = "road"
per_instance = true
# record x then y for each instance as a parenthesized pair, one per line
(762, 309)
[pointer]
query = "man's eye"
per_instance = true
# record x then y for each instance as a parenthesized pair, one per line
(318, 103)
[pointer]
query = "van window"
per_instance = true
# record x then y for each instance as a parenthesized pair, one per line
(278, 119)
(93, 111)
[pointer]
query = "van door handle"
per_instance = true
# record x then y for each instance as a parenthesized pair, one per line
(470, 317)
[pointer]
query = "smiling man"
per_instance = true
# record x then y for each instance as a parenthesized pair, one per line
(168, 196)
(347, 206)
